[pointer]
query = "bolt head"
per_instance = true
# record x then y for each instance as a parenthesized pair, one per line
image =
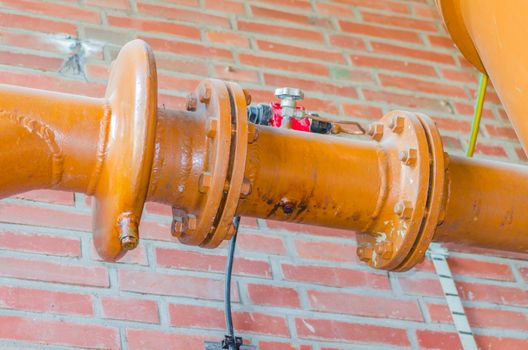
(247, 95)
(212, 128)
(384, 249)
(246, 188)
(375, 131)
(364, 253)
(289, 93)
(128, 231)
(192, 101)
(409, 156)
(403, 209)
(397, 124)
(206, 95)
(204, 183)
(176, 228)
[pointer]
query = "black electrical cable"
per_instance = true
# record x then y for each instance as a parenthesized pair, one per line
(227, 286)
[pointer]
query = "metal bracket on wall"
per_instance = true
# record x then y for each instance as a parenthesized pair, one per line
(439, 255)
(222, 345)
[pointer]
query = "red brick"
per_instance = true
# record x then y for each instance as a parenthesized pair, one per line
(148, 282)
(353, 332)
(438, 340)
(230, 73)
(347, 42)
(11, 20)
(421, 54)
(116, 4)
(175, 83)
(392, 65)
(54, 10)
(213, 318)
(521, 154)
(152, 339)
(129, 309)
(481, 269)
(186, 48)
(310, 229)
(281, 31)
(399, 21)
(384, 5)
(183, 15)
(282, 64)
(380, 32)
(362, 110)
(492, 293)
(50, 271)
(420, 286)
(30, 61)
(225, 6)
(501, 132)
(155, 26)
(38, 300)
(300, 51)
(335, 276)
(364, 305)
(418, 85)
(331, 9)
(262, 294)
(451, 142)
(329, 251)
(272, 345)
(442, 41)
(183, 65)
(53, 83)
(38, 216)
(458, 75)
(288, 16)
(491, 150)
(40, 243)
(452, 124)
(135, 256)
(191, 260)
(481, 317)
(311, 85)
(298, 4)
(228, 38)
(260, 243)
(409, 101)
(486, 342)
(58, 332)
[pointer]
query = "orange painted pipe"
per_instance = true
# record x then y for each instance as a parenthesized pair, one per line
(398, 190)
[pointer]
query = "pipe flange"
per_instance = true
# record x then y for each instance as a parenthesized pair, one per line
(394, 231)
(223, 109)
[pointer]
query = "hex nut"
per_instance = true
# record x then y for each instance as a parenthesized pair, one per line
(128, 231)
(408, 157)
(206, 95)
(212, 128)
(192, 102)
(403, 209)
(246, 188)
(375, 131)
(204, 183)
(397, 124)
(253, 133)
(247, 95)
(384, 249)
(176, 228)
(364, 253)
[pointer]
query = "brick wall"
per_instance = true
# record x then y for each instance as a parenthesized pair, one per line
(296, 287)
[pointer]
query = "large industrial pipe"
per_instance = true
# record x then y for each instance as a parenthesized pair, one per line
(398, 190)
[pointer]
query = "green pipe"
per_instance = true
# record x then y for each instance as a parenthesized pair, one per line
(483, 83)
